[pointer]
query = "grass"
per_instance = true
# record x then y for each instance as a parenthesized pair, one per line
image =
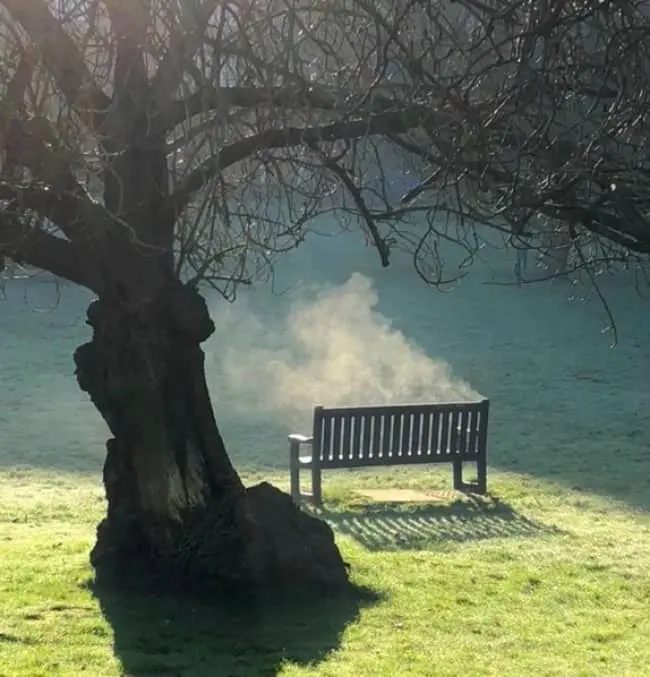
(539, 579)
(549, 577)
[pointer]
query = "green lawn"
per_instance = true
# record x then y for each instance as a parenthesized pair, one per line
(541, 581)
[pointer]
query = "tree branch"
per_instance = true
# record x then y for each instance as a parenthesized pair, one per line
(183, 45)
(62, 58)
(34, 247)
(56, 194)
(298, 97)
(14, 98)
(81, 219)
(396, 122)
(596, 221)
(348, 183)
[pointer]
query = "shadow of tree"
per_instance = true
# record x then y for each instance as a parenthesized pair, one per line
(161, 636)
(399, 526)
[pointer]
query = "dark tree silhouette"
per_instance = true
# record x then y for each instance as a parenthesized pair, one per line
(152, 145)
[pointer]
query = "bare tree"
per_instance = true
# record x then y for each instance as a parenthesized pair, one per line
(153, 145)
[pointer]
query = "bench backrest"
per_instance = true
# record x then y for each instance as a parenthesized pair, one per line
(387, 435)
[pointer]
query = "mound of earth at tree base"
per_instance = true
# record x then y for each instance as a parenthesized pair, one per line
(285, 548)
(303, 546)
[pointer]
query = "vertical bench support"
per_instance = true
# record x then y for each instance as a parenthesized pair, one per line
(458, 476)
(316, 484)
(294, 468)
(295, 442)
(481, 461)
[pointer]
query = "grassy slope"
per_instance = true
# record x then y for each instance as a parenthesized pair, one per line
(552, 581)
(545, 581)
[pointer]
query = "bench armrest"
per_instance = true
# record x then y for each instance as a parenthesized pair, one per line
(300, 439)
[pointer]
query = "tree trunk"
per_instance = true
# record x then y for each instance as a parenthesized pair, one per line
(178, 515)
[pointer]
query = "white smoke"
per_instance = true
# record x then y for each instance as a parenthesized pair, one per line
(336, 349)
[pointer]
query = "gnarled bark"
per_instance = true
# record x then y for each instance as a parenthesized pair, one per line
(178, 513)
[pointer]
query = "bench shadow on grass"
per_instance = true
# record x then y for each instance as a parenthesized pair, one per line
(161, 636)
(400, 526)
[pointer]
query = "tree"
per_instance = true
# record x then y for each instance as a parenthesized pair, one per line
(153, 145)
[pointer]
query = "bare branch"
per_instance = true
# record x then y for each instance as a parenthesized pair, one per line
(183, 45)
(34, 247)
(381, 123)
(303, 96)
(15, 95)
(345, 178)
(82, 220)
(55, 194)
(62, 58)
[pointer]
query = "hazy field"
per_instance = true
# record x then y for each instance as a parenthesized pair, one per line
(561, 395)
(550, 578)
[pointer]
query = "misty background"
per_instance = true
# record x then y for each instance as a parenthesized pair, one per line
(334, 329)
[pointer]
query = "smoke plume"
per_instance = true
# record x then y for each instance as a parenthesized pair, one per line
(334, 349)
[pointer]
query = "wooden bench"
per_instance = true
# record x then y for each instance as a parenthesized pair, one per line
(358, 437)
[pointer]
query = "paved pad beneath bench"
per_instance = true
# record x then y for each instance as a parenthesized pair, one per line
(404, 495)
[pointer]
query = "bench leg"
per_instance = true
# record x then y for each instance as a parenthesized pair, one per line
(294, 471)
(316, 486)
(458, 476)
(481, 471)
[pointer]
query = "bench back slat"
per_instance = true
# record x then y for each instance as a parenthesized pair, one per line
(337, 444)
(366, 425)
(436, 430)
(406, 424)
(472, 442)
(357, 425)
(388, 432)
(348, 424)
(427, 429)
(470, 420)
(383, 435)
(445, 434)
(457, 435)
